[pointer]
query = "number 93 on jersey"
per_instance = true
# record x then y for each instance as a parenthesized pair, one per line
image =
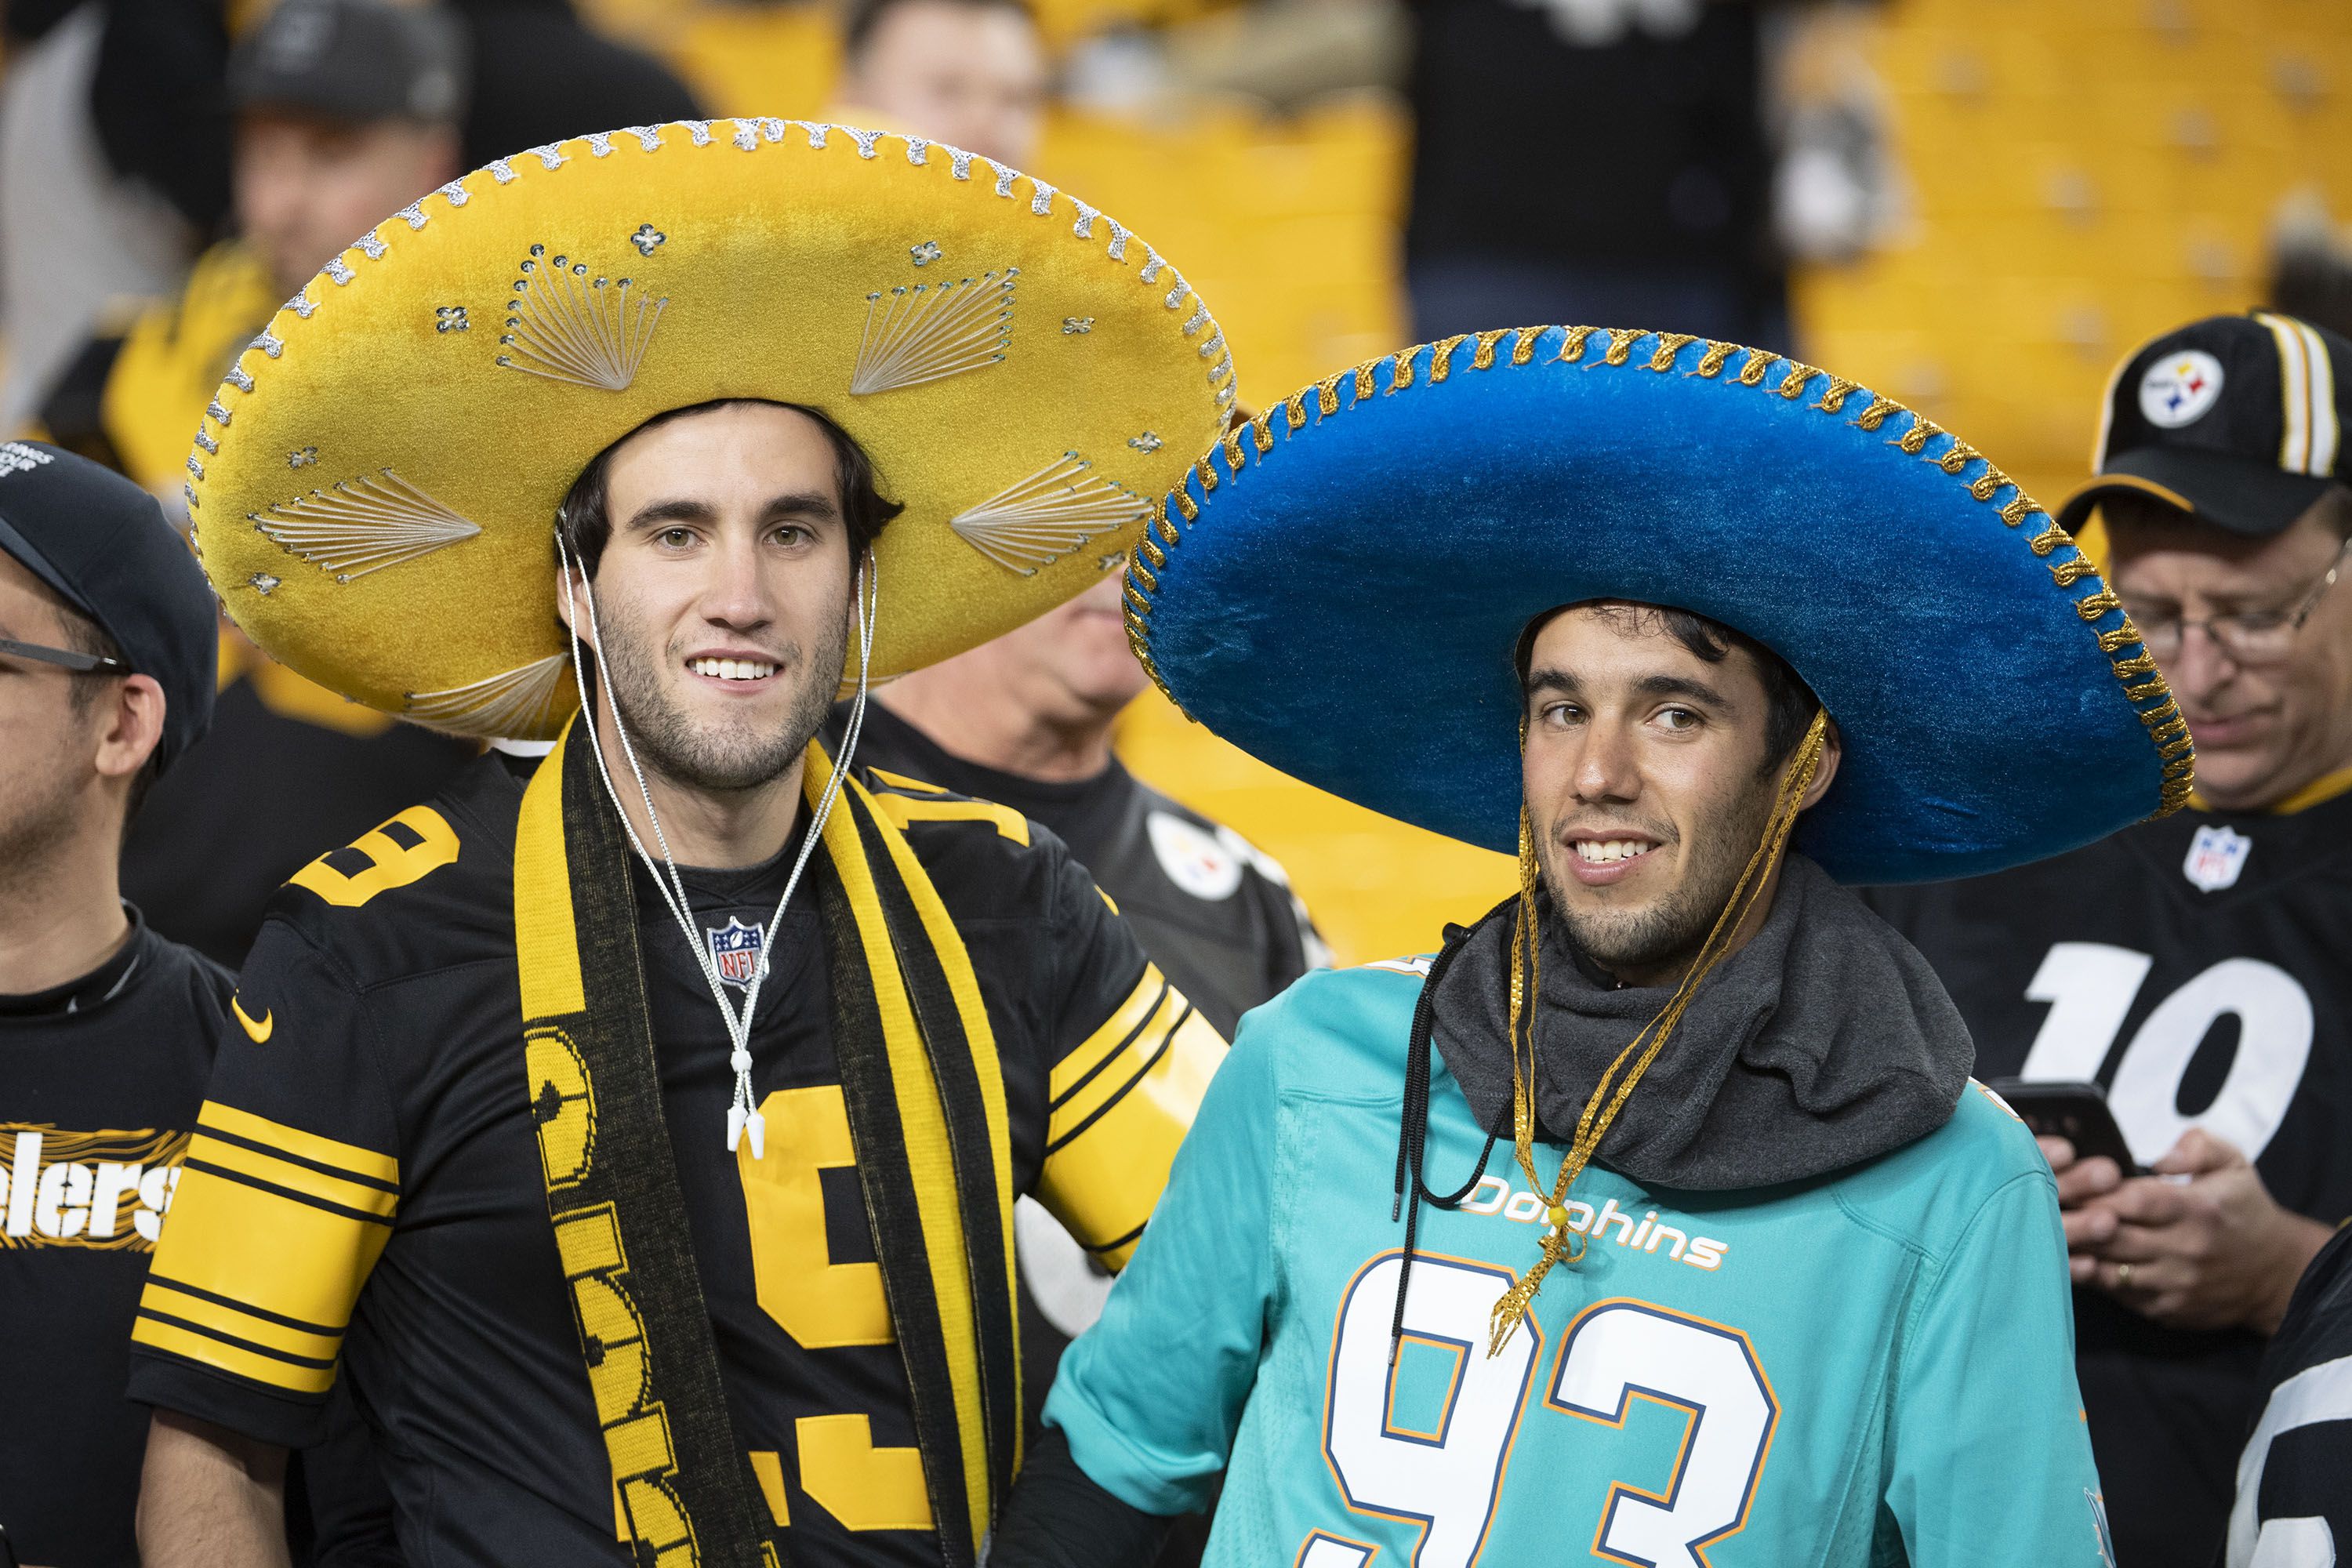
(1678, 1406)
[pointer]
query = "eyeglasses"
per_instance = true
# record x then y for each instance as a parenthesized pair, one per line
(2248, 636)
(80, 663)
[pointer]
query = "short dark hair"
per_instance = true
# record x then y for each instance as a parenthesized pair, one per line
(857, 27)
(1789, 703)
(586, 529)
(83, 634)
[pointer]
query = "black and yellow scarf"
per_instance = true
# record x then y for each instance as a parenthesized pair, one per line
(926, 1100)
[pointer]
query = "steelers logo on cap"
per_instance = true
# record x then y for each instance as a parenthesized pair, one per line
(2180, 387)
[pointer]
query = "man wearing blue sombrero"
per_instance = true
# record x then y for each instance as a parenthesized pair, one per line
(1761, 1278)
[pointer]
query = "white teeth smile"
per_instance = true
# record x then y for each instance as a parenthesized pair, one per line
(1602, 851)
(731, 669)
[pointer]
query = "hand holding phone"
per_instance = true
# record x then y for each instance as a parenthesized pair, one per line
(2055, 1107)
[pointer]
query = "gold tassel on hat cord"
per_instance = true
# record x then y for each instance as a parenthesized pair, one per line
(1560, 1244)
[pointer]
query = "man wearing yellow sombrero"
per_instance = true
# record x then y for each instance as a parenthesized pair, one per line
(1655, 1220)
(637, 1138)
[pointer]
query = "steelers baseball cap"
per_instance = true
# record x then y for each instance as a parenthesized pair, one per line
(101, 544)
(2238, 419)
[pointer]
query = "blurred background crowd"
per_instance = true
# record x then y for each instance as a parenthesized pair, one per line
(1977, 205)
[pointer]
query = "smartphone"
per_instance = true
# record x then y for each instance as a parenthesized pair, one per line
(2057, 1108)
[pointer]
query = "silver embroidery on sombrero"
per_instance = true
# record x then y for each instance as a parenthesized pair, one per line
(567, 326)
(519, 701)
(930, 330)
(364, 525)
(1053, 513)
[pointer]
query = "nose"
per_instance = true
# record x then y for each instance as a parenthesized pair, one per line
(1605, 769)
(736, 597)
(2199, 665)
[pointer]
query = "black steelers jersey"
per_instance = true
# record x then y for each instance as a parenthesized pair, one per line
(2195, 967)
(363, 1191)
(1213, 910)
(2294, 1483)
(100, 1082)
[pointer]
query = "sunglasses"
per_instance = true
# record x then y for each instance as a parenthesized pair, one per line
(80, 663)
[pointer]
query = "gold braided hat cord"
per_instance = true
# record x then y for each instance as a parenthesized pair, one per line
(1560, 1244)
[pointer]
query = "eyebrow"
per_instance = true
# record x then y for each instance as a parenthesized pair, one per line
(1568, 685)
(792, 503)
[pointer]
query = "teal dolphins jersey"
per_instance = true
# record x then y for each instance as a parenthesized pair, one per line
(1874, 1367)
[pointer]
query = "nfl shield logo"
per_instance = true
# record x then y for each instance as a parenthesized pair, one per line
(2216, 856)
(735, 949)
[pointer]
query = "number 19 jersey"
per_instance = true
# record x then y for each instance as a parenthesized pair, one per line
(1872, 1367)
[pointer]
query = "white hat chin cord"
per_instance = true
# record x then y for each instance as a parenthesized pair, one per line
(742, 1116)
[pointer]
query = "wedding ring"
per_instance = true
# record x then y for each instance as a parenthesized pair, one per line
(2123, 1275)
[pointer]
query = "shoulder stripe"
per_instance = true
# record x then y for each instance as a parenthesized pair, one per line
(237, 1327)
(349, 1161)
(1117, 1243)
(181, 1287)
(1114, 1075)
(904, 813)
(227, 1148)
(293, 1195)
(215, 1354)
(900, 781)
(1115, 1031)
(1105, 1169)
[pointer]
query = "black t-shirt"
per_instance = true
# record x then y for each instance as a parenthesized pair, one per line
(364, 1189)
(99, 1086)
(261, 795)
(2195, 967)
(1213, 910)
(2296, 1498)
(1644, 146)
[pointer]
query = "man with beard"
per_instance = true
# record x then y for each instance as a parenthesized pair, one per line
(640, 1143)
(106, 1028)
(1761, 1278)
(2194, 968)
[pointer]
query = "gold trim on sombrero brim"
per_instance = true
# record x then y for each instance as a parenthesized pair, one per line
(1251, 444)
(373, 490)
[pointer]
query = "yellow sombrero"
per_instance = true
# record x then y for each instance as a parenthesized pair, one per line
(373, 491)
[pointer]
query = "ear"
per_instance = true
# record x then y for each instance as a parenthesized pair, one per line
(1832, 749)
(132, 726)
(571, 608)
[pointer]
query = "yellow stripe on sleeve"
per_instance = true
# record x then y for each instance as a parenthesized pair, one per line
(164, 1300)
(253, 1251)
(232, 1358)
(904, 813)
(207, 1151)
(1122, 1068)
(349, 1157)
(1104, 1183)
(1098, 1047)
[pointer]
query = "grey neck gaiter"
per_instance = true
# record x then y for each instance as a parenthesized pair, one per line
(1825, 1041)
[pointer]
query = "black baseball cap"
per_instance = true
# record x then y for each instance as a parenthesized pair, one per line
(354, 61)
(2239, 420)
(102, 546)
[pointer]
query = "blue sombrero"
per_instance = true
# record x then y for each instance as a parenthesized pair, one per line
(1339, 584)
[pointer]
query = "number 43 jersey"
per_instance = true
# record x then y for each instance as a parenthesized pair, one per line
(1874, 1367)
